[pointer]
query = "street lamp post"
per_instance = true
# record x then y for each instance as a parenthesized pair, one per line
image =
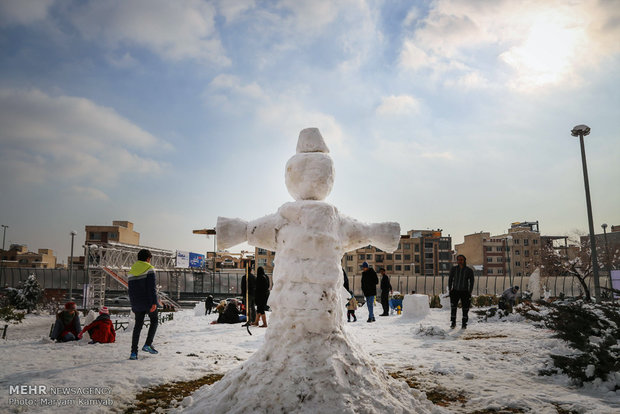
(212, 232)
(4, 227)
(604, 226)
(581, 131)
(508, 259)
(71, 267)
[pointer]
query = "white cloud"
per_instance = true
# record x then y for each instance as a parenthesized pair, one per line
(405, 154)
(126, 60)
(23, 12)
(398, 105)
(232, 10)
(234, 84)
(346, 29)
(437, 155)
(532, 44)
(88, 193)
(289, 115)
(70, 140)
(310, 15)
(182, 29)
(414, 57)
(470, 80)
(282, 111)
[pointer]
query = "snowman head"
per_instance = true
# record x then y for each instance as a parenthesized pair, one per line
(310, 173)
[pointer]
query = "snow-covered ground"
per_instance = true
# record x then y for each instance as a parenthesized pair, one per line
(491, 365)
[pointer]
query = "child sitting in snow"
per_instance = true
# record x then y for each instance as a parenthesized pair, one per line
(221, 306)
(67, 324)
(101, 330)
(351, 307)
(229, 313)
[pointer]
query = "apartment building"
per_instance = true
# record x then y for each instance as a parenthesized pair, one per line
(419, 252)
(265, 259)
(19, 256)
(230, 262)
(515, 253)
(120, 232)
(473, 248)
(607, 244)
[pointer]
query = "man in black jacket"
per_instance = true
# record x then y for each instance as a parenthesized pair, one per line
(369, 288)
(460, 286)
(208, 305)
(250, 309)
(386, 290)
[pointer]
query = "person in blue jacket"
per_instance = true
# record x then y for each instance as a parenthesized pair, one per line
(143, 297)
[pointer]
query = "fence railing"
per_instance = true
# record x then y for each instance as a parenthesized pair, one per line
(181, 281)
(486, 285)
(192, 283)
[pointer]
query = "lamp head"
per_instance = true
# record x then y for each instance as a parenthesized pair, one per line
(580, 130)
(604, 226)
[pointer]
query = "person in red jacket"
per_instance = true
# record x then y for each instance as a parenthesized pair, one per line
(101, 330)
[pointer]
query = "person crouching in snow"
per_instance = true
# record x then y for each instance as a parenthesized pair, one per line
(351, 307)
(101, 330)
(230, 314)
(508, 299)
(67, 324)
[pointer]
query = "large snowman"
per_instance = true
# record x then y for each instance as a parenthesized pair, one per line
(307, 364)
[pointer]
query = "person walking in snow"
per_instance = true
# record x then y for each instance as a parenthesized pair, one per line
(208, 305)
(251, 295)
(509, 298)
(369, 288)
(67, 325)
(101, 330)
(460, 286)
(262, 293)
(143, 298)
(386, 291)
(351, 307)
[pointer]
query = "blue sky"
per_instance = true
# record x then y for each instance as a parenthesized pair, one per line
(438, 114)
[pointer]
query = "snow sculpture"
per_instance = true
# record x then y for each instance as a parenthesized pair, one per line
(415, 306)
(534, 284)
(444, 300)
(307, 364)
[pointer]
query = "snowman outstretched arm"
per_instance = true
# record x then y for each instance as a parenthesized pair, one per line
(260, 232)
(356, 234)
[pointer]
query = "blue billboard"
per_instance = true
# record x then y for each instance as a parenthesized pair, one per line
(196, 260)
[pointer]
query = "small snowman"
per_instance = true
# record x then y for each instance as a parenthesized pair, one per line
(307, 364)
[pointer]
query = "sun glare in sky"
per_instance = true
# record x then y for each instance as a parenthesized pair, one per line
(547, 54)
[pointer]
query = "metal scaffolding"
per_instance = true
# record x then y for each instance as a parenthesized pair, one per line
(118, 258)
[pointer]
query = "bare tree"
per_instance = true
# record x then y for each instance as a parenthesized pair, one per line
(557, 263)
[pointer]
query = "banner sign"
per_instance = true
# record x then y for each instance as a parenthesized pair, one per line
(196, 260)
(182, 259)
